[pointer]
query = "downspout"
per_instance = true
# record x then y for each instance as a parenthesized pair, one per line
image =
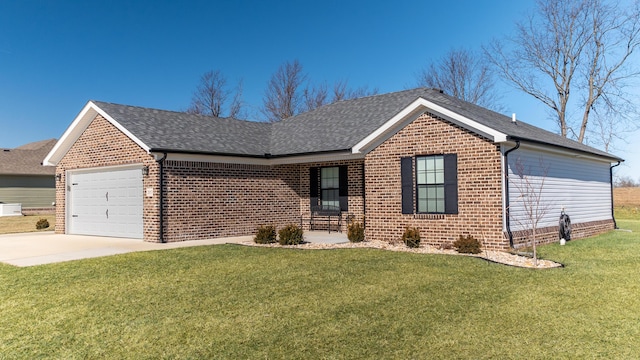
(506, 191)
(161, 165)
(364, 198)
(615, 224)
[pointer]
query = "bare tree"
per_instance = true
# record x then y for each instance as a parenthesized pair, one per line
(342, 91)
(573, 56)
(283, 96)
(211, 95)
(316, 96)
(533, 207)
(463, 74)
(625, 181)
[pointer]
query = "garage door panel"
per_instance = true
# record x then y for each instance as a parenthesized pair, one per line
(106, 203)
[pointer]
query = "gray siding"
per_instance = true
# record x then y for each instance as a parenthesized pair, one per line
(578, 184)
(30, 191)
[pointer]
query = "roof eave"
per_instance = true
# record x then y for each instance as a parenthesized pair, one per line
(611, 158)
(77, 127)
(412, 112)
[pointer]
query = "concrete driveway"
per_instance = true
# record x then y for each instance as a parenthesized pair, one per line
(37, 248)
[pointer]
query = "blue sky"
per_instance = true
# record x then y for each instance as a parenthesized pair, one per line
(57, 55)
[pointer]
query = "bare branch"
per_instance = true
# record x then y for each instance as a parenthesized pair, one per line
(530, 186)
(211, 95)
(462, 74)
(283, 98)
(569, 48)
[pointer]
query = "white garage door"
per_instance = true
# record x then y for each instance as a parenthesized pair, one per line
(105, 203)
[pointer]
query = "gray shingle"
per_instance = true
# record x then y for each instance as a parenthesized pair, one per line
(333, 127)
(27, 159)
(176, 131)
(519, 130)
(340, 125)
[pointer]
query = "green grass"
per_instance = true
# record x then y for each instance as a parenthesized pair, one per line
(627, 212)
(21, 224)
(243, 302)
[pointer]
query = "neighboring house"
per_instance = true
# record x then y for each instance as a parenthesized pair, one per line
(24, 180)
(415, 158)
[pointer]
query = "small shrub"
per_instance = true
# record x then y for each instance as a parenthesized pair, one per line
(446, 246)
(290, 235)
(42, 224)
(467, 245)
(355, 232)
(266, 234)
(411, 237)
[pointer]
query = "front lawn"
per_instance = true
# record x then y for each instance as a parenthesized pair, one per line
(242, 302)
(20, 224)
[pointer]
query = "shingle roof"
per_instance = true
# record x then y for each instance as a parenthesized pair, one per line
(333, 127)
(518, 130)
(27, 159)
(169, 130)
(338, 126)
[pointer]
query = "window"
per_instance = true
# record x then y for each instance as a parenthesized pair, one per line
(430, 184)
(330, 186)
(433, 188)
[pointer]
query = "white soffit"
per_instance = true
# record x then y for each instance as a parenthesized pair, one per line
(562, 151)
(229, 159)
(415, 109)
(77, 127)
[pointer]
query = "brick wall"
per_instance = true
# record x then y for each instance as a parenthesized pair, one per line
(479, 185)
(356, 190)
(550, 234)
(210, 200)
(102, 144)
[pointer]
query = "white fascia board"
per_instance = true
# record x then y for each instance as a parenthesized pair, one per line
(122, 128)
(224, 159)
(77, 127)
(561, 151)
(414, 110)
(70, 135)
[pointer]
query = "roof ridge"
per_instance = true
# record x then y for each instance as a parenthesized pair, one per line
(98, 102)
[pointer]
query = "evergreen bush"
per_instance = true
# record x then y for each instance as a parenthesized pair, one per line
(266, 234)
(290, 235)
(42, 224)
(467, 245)
(411, 237)
(355, 232)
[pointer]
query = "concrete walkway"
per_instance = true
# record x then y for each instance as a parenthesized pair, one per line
(37, 248)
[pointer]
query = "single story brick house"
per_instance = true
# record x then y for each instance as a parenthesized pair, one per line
(23, 179)
(415, 158)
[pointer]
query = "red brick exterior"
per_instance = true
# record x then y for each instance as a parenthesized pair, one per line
(102, 144)
(356, 190)
(479, 185)
(550, 234)
(208, 200)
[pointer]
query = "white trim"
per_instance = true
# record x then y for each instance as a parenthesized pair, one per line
(67, 175)
(320, 157)
(524, 144)
(411, 112)
(105, 168)
(77, 127)
(121, 128)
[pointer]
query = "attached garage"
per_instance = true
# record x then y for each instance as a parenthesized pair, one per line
(205, 178)
(105, 202)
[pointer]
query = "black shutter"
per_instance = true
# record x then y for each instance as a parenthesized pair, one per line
(450, 183)
(406, 173)
(313, 187)
(343, 191)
